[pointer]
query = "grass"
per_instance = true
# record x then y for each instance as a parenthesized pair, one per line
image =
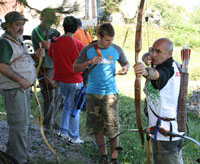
(130, 142)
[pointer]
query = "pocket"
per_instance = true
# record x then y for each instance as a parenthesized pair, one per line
(17, 111)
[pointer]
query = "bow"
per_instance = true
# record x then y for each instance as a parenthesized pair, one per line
(40, 112)
(138, 47)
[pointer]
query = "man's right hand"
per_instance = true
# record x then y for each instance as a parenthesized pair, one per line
(95, 60)
(40, 52)
(24, 83)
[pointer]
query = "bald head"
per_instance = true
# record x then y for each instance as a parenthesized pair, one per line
(161, 50)
(167, 43)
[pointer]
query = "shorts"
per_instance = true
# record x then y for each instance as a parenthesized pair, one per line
(102, 115)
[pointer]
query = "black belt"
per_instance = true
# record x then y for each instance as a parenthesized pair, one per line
(162, 118)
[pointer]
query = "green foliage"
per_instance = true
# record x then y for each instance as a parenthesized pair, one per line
(195, 16)
(110, 6)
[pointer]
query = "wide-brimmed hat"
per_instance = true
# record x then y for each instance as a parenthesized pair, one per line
(12, 17)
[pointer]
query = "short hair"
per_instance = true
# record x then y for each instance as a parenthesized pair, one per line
(79, 22)
(70, 24)
(170, 45)
(106, 29)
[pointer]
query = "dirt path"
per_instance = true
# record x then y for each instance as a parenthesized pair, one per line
(38, 149)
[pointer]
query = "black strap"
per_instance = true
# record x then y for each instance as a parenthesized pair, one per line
(162, 118)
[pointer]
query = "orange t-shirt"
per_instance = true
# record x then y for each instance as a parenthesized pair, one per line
(81, 35)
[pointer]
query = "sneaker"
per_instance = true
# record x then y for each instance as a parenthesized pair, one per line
(103, 160)
(63, 135)
(76, 141)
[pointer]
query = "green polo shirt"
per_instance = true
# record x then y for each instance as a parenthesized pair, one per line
(5, 51)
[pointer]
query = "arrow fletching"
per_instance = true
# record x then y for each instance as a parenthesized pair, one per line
(185, 57)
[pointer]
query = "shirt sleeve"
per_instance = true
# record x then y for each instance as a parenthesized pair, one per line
(122, 58)
(165, 74)
(82, 55)
(6, 51)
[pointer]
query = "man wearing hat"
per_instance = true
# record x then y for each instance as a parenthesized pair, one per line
(64, 52)
(17, 74)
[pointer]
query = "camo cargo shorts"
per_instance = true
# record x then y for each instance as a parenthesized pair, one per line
(102, 114)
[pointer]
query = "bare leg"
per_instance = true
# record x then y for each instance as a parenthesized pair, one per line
(113, 145)
(100, 139)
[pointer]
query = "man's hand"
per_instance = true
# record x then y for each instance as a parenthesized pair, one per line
(95, 60)
(24, 83)
(123, 71)
(147, 58)
(7, 71)
(40, 52)
(140, 70)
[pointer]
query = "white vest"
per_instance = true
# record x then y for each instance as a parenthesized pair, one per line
(164, 103)
(23, 66)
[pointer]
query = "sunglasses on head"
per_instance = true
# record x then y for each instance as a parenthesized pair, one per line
(152, 50)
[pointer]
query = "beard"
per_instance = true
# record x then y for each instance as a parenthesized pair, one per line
(19, 35)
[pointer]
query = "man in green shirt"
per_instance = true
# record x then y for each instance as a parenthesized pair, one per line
(42, 34)
(17, 74)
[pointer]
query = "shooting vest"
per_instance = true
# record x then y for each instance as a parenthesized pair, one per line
(164, 104)
(20, 62)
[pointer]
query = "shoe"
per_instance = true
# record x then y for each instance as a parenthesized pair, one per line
(63, 135)
(75, 141)
(114, 162)
(104, 160)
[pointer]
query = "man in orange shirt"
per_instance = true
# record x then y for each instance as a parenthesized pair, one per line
(82, 35)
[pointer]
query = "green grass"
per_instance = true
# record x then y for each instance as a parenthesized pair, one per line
(130, 142)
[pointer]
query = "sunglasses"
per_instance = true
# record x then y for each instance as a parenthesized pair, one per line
(152, 50)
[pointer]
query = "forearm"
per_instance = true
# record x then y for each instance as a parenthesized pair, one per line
(151, 74)
(79, 67)
(9, 73)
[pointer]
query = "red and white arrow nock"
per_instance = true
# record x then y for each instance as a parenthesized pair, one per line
(185, 57)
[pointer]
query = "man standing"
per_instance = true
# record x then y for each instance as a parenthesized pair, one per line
(162, 91)
(102, 98)
(42, 34)
(64, 52)
(82, 35)
(17, 74)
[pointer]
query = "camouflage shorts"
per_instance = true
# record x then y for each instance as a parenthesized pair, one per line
(102, 114)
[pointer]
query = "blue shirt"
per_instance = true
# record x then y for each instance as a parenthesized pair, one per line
(101, 79)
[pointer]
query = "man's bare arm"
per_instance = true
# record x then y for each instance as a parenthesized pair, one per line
(149, 73)
(79, 67)
(12, 75)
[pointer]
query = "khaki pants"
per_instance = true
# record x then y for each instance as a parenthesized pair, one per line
(17, 104)
(166, 152)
